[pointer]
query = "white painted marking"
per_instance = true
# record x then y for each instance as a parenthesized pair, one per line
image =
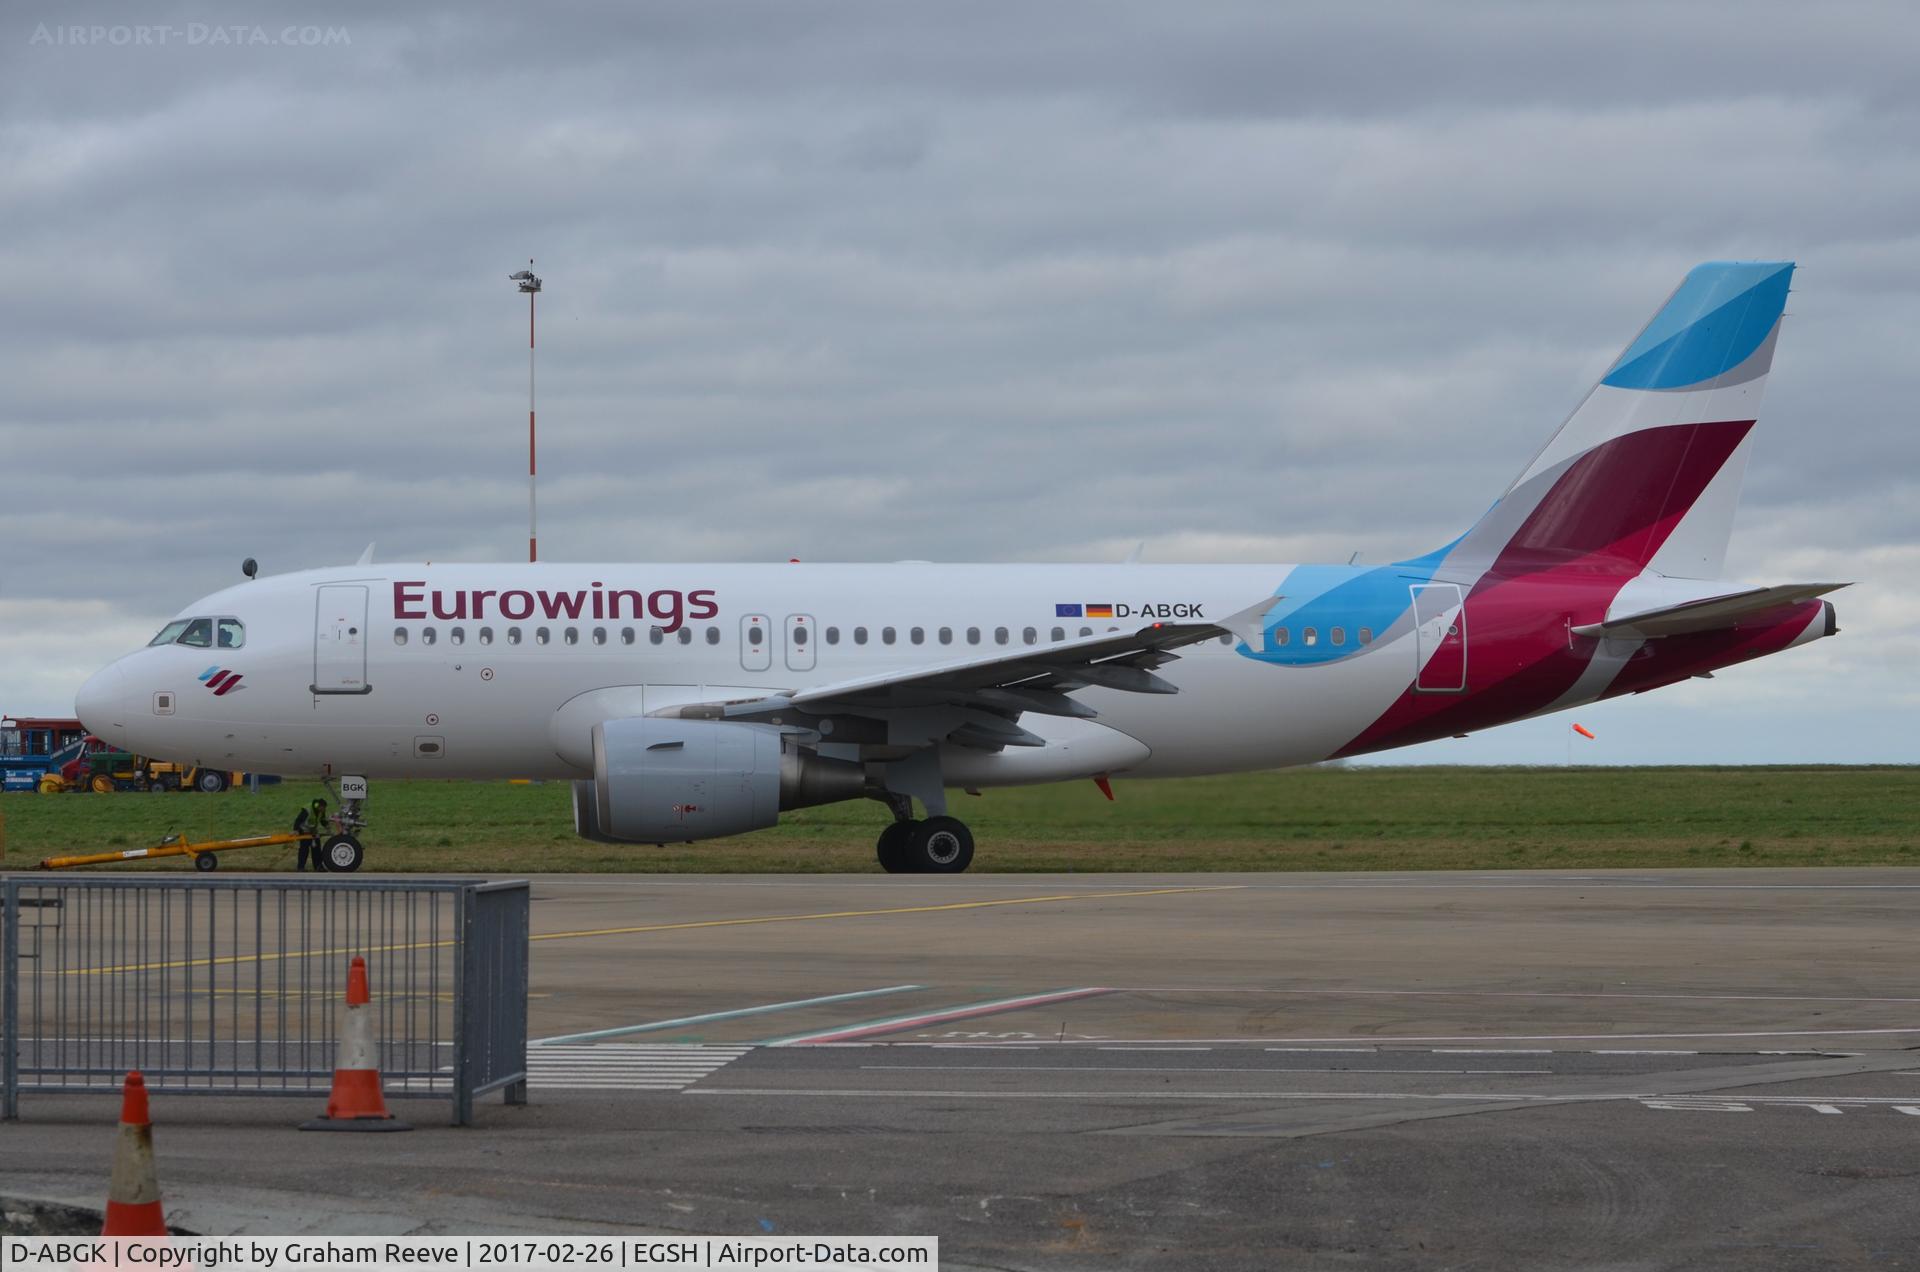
(1826, 1099)
(1912, 1110)
(894, 1024)
(1602, 1052)
(1492, 1051)
(1504, 993)
(1586, 1097)
(1358, 1051)
(1698, 1106)
(1131, 1068)
(874, 1092)
(625, 1066)
(1823, 1108)
(712, 1016)
(1153, 1048)
(1390, 1042)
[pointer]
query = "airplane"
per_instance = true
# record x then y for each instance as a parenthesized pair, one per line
(688, 702)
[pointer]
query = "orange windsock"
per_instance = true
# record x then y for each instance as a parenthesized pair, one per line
(1583, 731)
(133, 1190)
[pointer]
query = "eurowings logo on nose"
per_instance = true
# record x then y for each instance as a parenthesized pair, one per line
(220, 680)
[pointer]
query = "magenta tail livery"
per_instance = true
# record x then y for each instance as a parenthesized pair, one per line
(693, 701)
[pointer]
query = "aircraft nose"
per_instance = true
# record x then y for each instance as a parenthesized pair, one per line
(101, 703)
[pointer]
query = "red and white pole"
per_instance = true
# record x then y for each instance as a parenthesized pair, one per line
(533, 467)
(530, 284)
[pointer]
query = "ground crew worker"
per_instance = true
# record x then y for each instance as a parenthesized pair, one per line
(312, 822)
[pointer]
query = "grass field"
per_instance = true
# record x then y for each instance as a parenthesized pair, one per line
(1303, 819)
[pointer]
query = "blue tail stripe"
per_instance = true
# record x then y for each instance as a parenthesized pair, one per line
(1713, 323)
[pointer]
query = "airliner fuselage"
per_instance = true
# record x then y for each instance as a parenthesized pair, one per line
(692, 701)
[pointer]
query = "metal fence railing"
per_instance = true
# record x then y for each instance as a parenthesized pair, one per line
(235, 986)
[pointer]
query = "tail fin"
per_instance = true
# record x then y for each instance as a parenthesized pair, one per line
(1646, 473)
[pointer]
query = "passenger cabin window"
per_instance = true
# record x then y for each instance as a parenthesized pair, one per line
(399, 635)
(1281, 635)
(999, 635)
(713, 635)
(946, 635)
(833, 635)
(456, 635)
(917, 635)
(626, 635)
(427, 636)
(1337, 635)
(1366, 635)
(486, 636)
(513, 635)
(600, 636)
(1309, 636)
(1059, 633)
(1030, 636)
(756, 634)
(859, 635)
(686, 635)
(230, 633)
(1086, 631)
(799, 635)
(541, 635)
(657, 635)
(973, 635)
(886, 635)
(571, 636)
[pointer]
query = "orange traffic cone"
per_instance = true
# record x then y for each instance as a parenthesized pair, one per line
(133, 1192)
(356, 1102)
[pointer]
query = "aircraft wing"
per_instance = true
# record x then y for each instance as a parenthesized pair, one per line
(1710, 613)
(984, 696)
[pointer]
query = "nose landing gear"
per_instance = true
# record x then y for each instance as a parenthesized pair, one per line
(334, 842)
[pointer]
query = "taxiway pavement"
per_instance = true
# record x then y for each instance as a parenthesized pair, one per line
(1656, 1069)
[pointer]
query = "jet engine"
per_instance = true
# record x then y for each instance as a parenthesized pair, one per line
(662, 780)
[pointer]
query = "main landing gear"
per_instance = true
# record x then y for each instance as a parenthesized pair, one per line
(938, 845)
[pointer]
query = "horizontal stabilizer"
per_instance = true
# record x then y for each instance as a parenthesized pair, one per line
(1711, 613)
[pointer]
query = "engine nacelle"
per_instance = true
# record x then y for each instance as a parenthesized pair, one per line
(662, 780)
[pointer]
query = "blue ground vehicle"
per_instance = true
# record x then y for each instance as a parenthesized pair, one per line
(32, 747)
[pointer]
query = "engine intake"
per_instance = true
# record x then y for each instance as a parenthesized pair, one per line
(662, 780)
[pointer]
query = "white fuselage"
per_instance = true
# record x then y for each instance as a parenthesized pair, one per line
(488, 696)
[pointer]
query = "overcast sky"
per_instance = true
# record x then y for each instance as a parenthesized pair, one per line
(864, 281)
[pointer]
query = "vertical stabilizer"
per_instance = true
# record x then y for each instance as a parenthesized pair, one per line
(1646, 473)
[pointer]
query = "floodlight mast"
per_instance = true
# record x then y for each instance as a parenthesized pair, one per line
(530, 285)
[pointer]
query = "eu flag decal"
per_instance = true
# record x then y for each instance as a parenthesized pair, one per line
(1066, 611)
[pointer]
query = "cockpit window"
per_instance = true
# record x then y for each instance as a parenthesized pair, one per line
(202, 633)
